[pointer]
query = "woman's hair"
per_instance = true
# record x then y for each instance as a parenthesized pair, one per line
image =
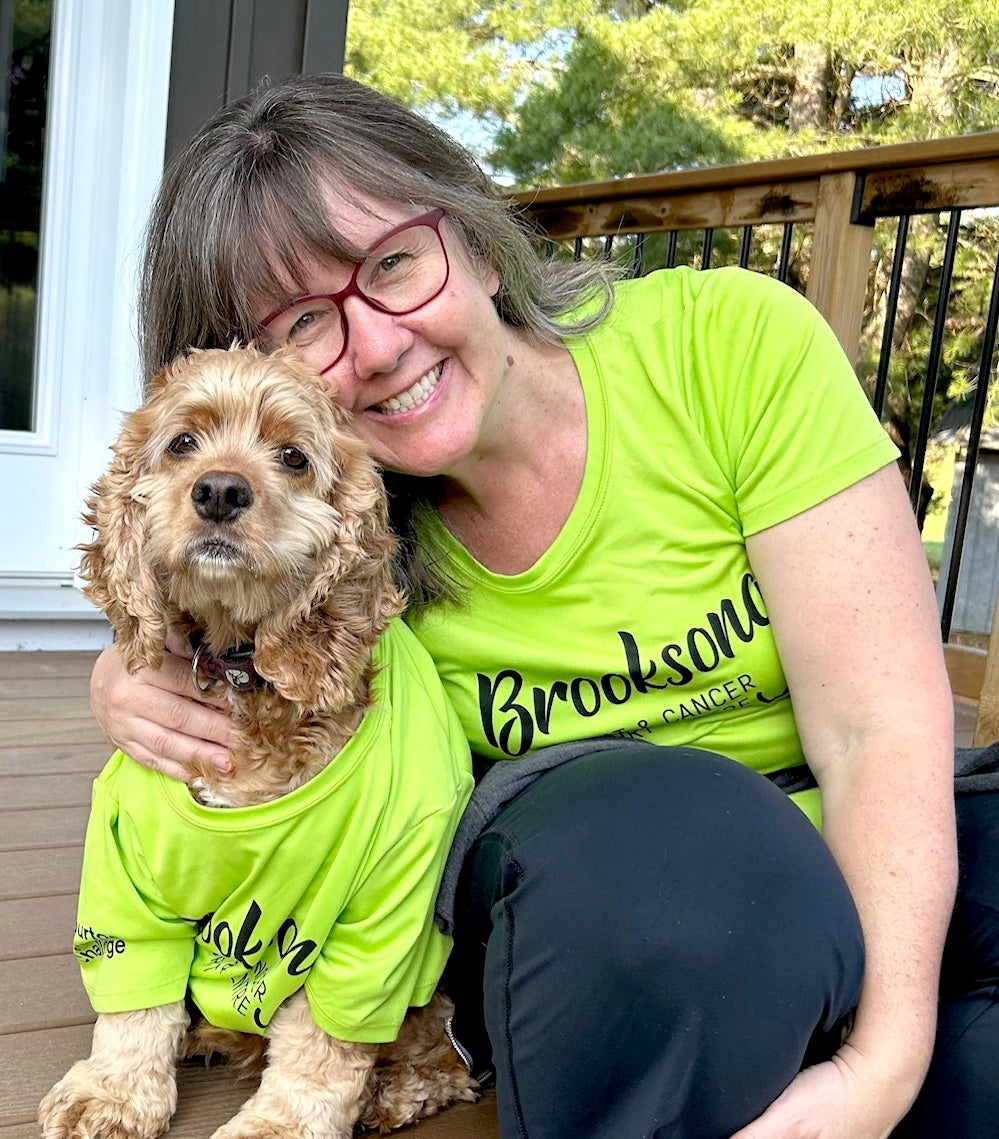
(246, 206)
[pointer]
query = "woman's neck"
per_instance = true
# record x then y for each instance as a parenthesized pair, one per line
(507, 502)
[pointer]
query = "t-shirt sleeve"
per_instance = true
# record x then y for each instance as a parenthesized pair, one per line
(792, 420)
(385, 953)
(133, 952)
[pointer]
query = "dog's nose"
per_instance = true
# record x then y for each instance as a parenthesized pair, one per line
(220, 496)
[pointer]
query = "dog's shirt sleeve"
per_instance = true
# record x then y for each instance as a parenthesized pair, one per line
(386, 953)
(134, 953)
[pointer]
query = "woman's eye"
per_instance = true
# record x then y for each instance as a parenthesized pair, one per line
(183, 444)
(294, 459)
(302, 324)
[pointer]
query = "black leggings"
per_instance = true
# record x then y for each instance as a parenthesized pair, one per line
(659, 940)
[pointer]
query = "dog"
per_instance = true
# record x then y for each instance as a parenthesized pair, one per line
(241, 510)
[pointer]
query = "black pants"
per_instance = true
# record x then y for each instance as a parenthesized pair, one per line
(659, 940)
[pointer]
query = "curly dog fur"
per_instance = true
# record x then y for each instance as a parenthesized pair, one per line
(240, 506)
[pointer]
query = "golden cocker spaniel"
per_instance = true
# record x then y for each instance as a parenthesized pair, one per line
(240, 509)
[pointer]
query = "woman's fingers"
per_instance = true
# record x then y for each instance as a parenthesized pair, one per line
(158, 717)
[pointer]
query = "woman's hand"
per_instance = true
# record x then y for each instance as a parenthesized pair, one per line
(842, 1098)
(159, 718)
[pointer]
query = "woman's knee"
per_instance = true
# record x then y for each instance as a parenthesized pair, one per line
(673, 906)
(661, 848)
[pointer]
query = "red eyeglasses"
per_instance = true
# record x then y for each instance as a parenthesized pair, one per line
(401, 272)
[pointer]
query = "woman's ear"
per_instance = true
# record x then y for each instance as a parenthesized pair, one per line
(118, 579)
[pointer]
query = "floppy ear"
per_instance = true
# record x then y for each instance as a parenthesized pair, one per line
(317, 651)
(118, 579)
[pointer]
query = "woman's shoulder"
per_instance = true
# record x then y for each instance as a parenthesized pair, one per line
(706, 292)
(729, 321)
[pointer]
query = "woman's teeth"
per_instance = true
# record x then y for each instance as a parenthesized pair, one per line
(413, 396)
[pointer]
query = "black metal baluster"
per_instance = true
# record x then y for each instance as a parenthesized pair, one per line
(784, 260)
(891, 311)
(706, 244)
(746, 247)
(637, 262)
(671, 250)
(971, 456)
(933, 360)
(577, 249)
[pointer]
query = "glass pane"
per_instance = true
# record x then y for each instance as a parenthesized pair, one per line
(25, 27)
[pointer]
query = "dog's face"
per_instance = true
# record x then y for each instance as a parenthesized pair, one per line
(238, 496)
(249, 473)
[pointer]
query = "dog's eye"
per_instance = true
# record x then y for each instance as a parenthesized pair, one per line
(294, 459)
(184, 444)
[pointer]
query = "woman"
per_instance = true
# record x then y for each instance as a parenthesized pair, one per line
(656, 510)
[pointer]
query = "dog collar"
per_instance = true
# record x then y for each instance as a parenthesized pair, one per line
(234, 666)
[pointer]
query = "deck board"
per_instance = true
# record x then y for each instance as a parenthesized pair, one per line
(39, 873)
(30, 829)
(33, 792)
(72, 730)
(52, 758)
(33, 928)
(50, 751)
(41, 992)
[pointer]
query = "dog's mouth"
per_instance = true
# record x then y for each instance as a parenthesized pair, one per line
(215, 552)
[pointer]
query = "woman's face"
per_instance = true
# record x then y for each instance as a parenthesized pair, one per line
(421, 385)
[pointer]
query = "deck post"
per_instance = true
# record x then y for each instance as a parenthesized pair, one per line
(841, 260)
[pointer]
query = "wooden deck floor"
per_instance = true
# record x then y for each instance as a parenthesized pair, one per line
(50, 751)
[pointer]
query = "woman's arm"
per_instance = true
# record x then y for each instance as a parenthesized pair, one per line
(158, 718)
(853, 612)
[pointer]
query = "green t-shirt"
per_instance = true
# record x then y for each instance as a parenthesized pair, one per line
(331, 886)
(718, 404)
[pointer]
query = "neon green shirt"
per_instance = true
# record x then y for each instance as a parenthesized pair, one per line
(331, 886)
(718, 404)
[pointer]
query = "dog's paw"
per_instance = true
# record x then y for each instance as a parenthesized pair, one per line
(404, 1093)
(247, 1125)
(87, 1104)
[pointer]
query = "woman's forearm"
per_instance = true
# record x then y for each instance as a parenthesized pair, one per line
(888, 816)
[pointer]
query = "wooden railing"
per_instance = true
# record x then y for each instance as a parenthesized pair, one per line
(825, 209)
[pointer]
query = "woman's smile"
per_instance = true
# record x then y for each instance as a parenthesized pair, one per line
(413, 396)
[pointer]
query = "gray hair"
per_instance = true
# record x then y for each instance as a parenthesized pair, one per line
(247, 203)
(249, 198)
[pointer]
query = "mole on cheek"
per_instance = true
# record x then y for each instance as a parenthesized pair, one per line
(509, 361)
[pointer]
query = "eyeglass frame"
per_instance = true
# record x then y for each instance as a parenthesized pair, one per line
(432, 220)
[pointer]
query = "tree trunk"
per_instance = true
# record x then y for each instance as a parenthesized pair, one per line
(810, 99)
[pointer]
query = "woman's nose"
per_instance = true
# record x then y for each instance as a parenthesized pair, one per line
(376, 341)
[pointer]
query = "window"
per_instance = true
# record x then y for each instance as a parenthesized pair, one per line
(25, 35)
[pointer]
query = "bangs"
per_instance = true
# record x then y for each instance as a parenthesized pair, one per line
(282, 225)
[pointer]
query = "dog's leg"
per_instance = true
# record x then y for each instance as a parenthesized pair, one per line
(419, 1074)
(311, 1088)
(127, 1089)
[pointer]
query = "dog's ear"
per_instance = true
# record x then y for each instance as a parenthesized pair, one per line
(317, 651)
(118, 579)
